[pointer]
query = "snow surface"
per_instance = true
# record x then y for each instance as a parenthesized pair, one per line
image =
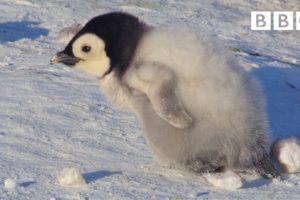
(52, 117)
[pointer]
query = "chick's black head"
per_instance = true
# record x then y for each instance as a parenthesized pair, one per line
(107, 41)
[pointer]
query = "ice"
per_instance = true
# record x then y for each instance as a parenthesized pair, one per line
(66, 34)
(71, 177)
(228, 180)
(10, 183)
(287, 153)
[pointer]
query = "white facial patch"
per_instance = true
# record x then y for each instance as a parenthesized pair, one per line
(91, 50)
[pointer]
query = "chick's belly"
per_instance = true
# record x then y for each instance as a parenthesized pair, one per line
(175, 146)
(165, 141)
(211, 118)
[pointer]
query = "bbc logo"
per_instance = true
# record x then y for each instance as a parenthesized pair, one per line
(277, 20)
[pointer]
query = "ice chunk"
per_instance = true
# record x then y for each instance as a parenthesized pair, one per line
(10, 183)
(71, 177)
(66, 34)
(228, 180)
(287, 153)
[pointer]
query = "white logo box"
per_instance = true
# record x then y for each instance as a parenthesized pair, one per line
(277, 20)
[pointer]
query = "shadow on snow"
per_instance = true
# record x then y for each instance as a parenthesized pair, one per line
(93, 176)
(17, 30)
(281, 88)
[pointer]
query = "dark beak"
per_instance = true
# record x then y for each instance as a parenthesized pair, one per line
(61, 57)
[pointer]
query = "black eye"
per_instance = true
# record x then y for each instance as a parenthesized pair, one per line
(86, 48)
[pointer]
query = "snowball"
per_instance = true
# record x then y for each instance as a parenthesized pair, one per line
(66, 34)
(10, 183)
(227, 180)
(71, 177)
(287, 153)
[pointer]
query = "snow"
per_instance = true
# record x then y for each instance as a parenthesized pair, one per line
(72, 177)
(287, 152)
(66, 34)
(10, 183)
(52, 117)
(228, 180)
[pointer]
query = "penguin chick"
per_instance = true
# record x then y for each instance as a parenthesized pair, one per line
(198, 108)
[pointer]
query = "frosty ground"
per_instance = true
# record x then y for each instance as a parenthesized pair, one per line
(52, 117)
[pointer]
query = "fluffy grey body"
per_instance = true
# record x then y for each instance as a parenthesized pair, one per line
(229, 127)
(199, 109)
